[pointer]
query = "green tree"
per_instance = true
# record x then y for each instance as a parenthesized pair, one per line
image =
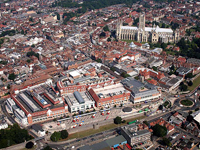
(64, 134)
(160, 107)
(125, 24)
(112, 68)
(183, 87)
(106, 28)
(103, 34)
(31, 19)
(58, 16)
(159, 130)
(29, 145)
(163, 46)
(146, 122)
(12, 76)
(28, 60)
(154, 68)
(190, 83)
(125, 75)
(166, 141)
(8, 86)
(118, 120)
(55, 136)
(189, 75)
(172, 68)
(33, 45)
(109, 39)
(13, 135)
(99, 60)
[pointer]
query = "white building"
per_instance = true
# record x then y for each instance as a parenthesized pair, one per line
(38, 129)
(10, 103)
(79, 101)
(15, 55)
(3, 124)
(19, 114)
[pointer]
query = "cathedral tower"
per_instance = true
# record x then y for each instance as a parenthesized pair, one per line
(118, 34)
(142, 21)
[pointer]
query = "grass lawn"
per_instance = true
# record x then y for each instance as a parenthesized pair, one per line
(186, 102)
(166, 103)
(196, 82)
(101, 128)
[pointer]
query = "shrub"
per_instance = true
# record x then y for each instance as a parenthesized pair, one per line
(29, 145)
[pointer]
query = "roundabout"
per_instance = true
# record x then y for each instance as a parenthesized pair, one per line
(127, 109)
(186, 103)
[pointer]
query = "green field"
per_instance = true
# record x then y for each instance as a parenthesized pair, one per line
(101, 129)
(196, 82)
(186, 102)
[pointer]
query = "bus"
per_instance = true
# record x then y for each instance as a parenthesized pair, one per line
(131, 122)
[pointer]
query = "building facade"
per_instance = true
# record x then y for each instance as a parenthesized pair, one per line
(146, 34)
(141, 92)
(134, 135)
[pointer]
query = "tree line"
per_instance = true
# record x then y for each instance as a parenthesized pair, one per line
(13, 135)
(190, 49)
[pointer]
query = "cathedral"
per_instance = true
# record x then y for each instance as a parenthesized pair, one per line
(146, 34)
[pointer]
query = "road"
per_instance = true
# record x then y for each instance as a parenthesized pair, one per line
(103, 135)
(99, 136)
(95, 138)
(10, 118)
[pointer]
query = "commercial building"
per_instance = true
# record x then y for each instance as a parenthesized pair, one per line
(79, 101)
(90, 75)
(170, 83)
(110, 95)
(37, 103)
(182, 71)
(134, 135)
(177, 119)
(141, 92)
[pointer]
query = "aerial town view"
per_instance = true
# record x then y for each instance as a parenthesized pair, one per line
(100, 74)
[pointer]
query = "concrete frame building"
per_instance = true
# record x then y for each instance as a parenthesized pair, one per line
(135, 136)
(79, 101)
(141, 92)
(110, 95)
